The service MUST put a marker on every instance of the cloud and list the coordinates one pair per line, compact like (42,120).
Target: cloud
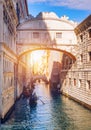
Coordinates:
(36,1)
(75,4)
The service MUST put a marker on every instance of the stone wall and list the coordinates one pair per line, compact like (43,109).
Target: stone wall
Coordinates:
(77,80)
(12,72)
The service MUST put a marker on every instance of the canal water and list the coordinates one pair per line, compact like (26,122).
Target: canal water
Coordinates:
(52,112)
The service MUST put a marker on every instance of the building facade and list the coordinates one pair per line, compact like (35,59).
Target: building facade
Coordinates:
(21,9)
(20,33)
(76,81)
(9,65)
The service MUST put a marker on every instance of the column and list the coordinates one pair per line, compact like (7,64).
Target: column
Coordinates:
(1,81)
(1,21)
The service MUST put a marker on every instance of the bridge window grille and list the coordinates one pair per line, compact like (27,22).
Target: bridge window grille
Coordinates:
(58,35)
(35,34)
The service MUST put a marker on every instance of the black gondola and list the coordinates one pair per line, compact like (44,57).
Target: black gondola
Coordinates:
(33,100)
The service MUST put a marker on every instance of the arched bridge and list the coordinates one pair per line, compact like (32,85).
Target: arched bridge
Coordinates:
(40,32)
(37,77)
(47,48)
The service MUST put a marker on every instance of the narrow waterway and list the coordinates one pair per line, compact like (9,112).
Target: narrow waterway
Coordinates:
(51,113)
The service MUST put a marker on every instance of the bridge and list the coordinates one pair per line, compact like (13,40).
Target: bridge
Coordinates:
(38,77)
(50,33)
(41,32)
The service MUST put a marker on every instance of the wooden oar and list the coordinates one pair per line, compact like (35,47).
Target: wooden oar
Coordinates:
(41,100)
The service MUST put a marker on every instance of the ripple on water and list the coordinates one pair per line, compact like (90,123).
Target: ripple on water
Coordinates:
(57,113)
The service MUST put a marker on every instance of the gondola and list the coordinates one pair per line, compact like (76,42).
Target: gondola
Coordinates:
(33,100)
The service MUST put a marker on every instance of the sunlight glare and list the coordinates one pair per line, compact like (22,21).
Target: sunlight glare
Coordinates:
(36,55)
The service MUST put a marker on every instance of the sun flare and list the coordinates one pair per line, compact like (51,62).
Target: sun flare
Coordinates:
(36,55)
(38,61)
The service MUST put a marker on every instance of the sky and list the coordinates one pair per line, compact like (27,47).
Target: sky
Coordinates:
(76,10)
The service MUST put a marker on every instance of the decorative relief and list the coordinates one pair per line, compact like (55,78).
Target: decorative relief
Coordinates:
(8,21)
(19,48)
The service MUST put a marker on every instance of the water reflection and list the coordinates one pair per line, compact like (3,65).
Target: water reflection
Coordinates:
(56,113)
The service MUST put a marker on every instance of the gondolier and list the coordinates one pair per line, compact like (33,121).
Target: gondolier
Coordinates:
(33,97)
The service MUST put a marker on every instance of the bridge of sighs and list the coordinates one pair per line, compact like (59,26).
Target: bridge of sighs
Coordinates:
(54,37)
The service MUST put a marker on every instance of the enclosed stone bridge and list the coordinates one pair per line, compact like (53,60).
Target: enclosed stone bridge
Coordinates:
(46,48)
(46,31)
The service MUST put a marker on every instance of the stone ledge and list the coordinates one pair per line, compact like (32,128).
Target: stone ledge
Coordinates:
(77,100)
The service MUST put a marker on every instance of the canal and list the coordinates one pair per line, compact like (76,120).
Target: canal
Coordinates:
(53,112)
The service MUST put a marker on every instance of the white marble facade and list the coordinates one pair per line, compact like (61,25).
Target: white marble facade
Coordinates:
(8,57)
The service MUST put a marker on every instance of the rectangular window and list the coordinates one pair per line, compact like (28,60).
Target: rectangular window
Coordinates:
(81,38)
(81,58)
(35,34)
(69,81)
(89,33)
(89,56)
(79,83)
(88,87)
(74,82)
(58,35)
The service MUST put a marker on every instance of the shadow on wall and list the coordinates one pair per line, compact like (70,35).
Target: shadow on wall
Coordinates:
(65,73)
(55,77)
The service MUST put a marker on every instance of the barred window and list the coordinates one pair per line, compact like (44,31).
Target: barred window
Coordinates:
(35,34)
(59,35)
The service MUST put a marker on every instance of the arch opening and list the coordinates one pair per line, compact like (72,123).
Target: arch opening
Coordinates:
(46,48)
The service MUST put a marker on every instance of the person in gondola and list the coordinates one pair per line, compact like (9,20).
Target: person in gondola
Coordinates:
(31,91)
(33,96)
